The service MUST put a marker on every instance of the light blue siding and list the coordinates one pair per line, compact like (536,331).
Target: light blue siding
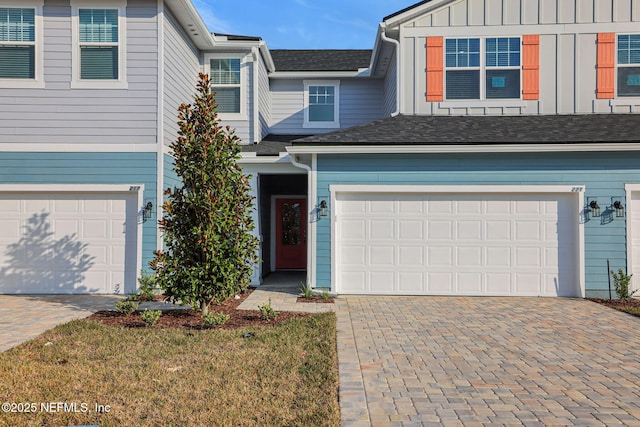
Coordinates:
(88,168)
(604,175)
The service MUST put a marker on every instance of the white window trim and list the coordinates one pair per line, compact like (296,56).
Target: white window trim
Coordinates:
(76,81)
(244,82)
(621,99)
(483,68)
(336,104)
(38,81)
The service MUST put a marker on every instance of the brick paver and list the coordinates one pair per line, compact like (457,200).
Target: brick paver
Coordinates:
(486,361)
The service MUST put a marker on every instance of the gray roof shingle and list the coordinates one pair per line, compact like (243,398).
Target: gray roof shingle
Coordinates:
(425,130)
(271,145)
(321,60)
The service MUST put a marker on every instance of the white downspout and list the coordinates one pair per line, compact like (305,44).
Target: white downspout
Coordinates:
(383,36)
(256,97)
(311,229)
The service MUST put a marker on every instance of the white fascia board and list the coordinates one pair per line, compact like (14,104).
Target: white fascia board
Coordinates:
(266,57)
(493,148)
(375,188)
(482,31)
(319,74)
(186,13)
(253,158)
(417,12)
(74,188)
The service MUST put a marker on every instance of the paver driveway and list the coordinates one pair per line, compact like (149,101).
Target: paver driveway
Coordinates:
(487,361)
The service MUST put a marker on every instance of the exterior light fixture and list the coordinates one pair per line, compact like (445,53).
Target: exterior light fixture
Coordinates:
(594,208)
(323,208)
(148,209)
(618,207)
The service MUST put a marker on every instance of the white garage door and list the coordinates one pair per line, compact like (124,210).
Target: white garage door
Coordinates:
(67,242)
(462,244)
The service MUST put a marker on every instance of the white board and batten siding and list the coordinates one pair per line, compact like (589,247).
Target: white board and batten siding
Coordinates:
(567,52)
(427,241)
(63,240)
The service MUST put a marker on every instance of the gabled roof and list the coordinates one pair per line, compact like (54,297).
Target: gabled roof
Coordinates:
(453,130)
(321,60)
(406,9)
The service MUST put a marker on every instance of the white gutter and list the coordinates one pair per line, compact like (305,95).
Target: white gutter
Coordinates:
(383,36)
(311,232)
(257,137)
(319,74)
(459,148)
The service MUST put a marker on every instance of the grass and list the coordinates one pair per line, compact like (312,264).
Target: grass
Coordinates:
(284,374)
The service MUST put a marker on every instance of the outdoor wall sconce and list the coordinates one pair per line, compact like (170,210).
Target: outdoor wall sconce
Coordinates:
(148,209)
(323,208)
(594,208)
(618,207)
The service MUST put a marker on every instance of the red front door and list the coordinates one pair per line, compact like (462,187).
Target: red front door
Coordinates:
(291,233)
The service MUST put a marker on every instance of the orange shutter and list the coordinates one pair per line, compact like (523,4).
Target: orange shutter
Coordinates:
(606,65)
(531,67)
(435,76)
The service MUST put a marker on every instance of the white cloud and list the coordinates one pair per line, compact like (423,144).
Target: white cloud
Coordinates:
(214,23)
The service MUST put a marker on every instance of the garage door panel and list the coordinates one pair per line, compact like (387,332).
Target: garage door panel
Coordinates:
(381,255)
(440,230)
(66,206)
(10,229)
(470,244)
(410,230)
(95,229)
(96,206)
(382,282)
(353,254)
(353,229)
(354,282)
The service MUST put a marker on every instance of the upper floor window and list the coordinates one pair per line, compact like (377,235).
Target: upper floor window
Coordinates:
(321,108)
(482,71)
(98,39)
(225,82)
(17,43)
(228,79)
(628,65)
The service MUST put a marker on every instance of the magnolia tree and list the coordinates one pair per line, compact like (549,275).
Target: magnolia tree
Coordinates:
(209,249)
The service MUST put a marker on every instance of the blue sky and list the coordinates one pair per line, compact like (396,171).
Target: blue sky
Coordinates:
(301,24)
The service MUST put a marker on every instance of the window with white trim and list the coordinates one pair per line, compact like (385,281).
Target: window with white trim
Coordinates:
(226,83)
(99,49)
(17,43)
(321,104)
(228,79)
(489,70)
(628,64)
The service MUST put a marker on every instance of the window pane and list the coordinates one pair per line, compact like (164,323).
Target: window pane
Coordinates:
(463,84)
(17,25)
(503,52)
(98,25)
(629,49)
(225,71)
(99,62)
(321,113)
(503,84)
(17,62)
(463,53)
(629,81)
(227,99)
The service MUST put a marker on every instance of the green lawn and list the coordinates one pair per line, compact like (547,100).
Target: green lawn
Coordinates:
(284,374)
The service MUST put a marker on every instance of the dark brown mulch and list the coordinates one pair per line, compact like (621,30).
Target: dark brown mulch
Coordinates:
(191,319)
(617,303)
(316,298)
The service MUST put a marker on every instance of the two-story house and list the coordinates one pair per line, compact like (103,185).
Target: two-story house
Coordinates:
(482,147)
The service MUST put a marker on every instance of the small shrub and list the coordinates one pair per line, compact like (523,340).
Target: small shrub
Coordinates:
(148,285)
(150,317)
(267,312)
(126,306)
(305,290)
(325,295)
(621,282)
(215,319)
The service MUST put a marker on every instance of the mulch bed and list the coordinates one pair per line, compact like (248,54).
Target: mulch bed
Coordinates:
(191,319)
(617,303)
